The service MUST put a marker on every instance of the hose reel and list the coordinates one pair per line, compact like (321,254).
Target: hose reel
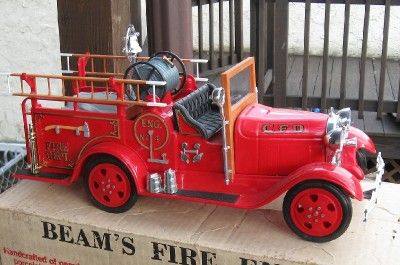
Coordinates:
(160,67)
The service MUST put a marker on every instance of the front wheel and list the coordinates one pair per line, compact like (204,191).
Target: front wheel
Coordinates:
(109,184)
(317,211)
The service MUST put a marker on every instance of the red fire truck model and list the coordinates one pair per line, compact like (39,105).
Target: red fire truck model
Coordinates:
(157,131)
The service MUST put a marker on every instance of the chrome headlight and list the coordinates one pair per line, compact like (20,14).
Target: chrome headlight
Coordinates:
(344,117)
(337,128)
(331,124)
(333,137)
(340,119)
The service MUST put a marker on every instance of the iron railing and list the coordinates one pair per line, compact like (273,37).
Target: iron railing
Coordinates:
(11,159)
(269,20)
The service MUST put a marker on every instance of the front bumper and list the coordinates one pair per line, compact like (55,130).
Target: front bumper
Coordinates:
(371,191)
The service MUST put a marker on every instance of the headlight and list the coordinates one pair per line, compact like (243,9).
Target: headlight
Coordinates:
(333,137)
(337,131)
(331,123)
(344,117)
(344,113)
(340,119)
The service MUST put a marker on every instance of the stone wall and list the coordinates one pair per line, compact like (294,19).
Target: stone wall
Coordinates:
(29,42)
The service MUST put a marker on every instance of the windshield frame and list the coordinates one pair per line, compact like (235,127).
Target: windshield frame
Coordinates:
(232,111)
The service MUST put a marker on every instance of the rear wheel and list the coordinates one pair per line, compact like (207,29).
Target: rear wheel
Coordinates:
(109,184)
(317,211)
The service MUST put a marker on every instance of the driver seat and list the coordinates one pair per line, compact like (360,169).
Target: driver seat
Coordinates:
(197,111)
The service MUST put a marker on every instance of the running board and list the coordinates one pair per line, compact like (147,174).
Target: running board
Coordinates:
(221,197)
(26,173)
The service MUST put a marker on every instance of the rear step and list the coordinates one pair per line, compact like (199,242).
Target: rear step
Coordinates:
(26,173)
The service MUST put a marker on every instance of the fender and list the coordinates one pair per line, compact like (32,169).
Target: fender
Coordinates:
(126,155)
(330,173)
(315,171)
(363,140)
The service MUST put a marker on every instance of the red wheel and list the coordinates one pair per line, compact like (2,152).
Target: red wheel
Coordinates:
(317,211)
(109,184)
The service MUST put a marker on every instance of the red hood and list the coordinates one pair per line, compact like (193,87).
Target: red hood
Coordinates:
(258,119)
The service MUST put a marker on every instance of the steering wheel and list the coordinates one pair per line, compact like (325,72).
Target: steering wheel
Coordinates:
(144,90)
(171,57)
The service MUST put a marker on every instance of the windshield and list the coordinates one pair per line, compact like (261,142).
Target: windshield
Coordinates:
(240,85)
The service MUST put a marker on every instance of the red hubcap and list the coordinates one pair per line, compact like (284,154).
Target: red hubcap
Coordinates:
(316,212)
(109,185)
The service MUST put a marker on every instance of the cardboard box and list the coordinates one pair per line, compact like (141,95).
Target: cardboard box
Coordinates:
(48,224)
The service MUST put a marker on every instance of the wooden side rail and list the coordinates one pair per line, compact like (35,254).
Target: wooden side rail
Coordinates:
(84,84)
(232,111)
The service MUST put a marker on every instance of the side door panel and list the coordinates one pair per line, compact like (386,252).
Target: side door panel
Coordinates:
(61,137)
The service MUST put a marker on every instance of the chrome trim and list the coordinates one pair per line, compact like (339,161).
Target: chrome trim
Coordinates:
(337,157)
(201,79)
(65,54)
(68,56)
(218,99)
(86,130)
(197,63)
(154,183)
(377,177)
(197,156)
(340,120)
(170,185)
(198,60)
(132,47)
(156,83)
(151,158)
(33,151)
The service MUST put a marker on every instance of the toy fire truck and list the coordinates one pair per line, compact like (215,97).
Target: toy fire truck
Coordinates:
(156,130)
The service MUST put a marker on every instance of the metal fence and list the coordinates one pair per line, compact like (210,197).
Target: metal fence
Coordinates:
(11,159)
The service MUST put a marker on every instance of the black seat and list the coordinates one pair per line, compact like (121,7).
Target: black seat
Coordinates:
(197,110)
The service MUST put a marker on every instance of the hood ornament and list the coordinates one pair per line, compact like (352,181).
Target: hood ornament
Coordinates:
(132,47)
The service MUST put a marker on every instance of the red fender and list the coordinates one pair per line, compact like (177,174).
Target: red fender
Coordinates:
(126,155)
(316,171)
(363,140)
(327,172)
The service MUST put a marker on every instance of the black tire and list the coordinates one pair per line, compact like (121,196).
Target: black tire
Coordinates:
(91,164)
(337,192)
(361,156)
